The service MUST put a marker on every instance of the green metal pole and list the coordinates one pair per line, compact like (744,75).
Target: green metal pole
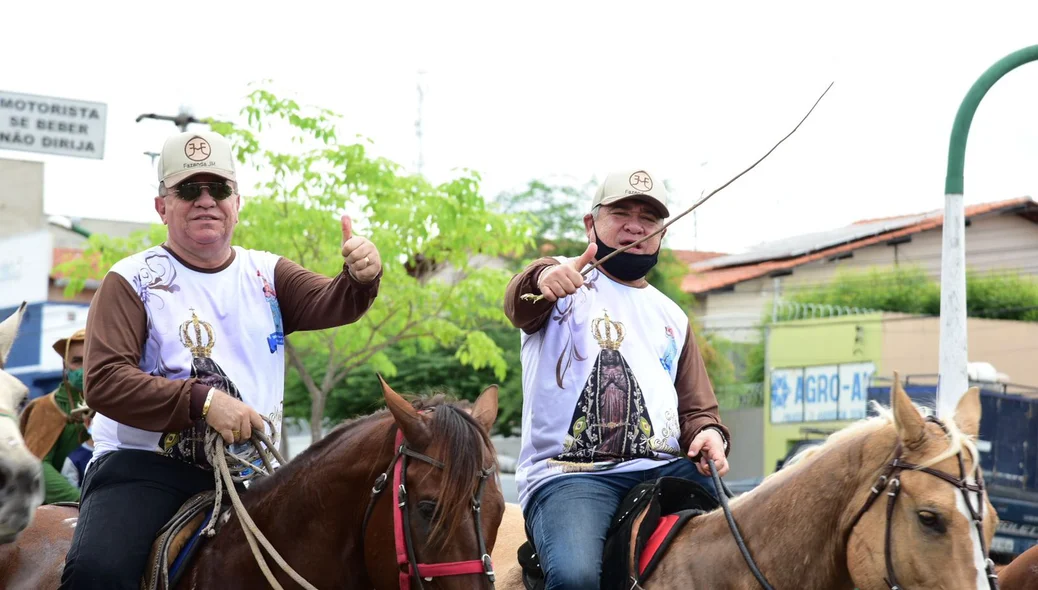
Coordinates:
(953,380)
(961,128)
(81,230)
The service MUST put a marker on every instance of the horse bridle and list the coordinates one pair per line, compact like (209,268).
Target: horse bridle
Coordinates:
(890,478)
(407,564)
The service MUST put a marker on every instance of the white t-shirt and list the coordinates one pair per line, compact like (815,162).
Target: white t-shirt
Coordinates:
(222,327)
(598,384)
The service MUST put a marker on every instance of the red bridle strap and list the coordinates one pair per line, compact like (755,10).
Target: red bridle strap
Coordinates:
(455,568)
(425,570)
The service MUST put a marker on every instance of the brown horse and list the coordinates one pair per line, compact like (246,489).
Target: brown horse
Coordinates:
(1021,573)
(313,508)
(813,526)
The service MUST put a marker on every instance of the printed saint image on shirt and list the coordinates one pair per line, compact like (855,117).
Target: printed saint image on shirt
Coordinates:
(155,280)
(667,360)
(277,338)
(189,444)
(610,422)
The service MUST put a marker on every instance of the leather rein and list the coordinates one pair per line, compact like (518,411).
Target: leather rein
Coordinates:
(407,563)
(889,479)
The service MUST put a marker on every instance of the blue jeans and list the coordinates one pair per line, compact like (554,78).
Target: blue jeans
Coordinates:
(569,516)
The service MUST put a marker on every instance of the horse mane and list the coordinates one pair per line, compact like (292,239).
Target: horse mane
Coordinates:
(462,435)
(464,453)
(957,440)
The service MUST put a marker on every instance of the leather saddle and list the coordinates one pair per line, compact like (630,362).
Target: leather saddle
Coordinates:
(178,542)
(668,503)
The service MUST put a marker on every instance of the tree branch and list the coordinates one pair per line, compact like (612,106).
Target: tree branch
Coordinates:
(297,363)
(329,371)
(361,359)
(376,327)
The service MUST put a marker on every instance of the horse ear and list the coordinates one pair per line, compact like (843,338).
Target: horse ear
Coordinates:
(8,331)
(967,412)
(407,418)
(910,425)
(485,410)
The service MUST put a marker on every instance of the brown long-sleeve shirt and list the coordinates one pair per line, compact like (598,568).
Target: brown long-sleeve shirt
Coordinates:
(697,403)
(117,330)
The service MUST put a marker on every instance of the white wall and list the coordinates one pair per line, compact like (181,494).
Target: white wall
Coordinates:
(25,261)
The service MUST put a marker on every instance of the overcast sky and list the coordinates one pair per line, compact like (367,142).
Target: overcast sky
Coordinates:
(691,91)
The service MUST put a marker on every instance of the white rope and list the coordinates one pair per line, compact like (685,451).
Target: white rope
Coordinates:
(244,469)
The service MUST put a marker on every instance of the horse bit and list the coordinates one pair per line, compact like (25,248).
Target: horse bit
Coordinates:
(406,562)
(891,478)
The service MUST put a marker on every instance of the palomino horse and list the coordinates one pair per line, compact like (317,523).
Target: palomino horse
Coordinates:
(1021,573)
(21,489)
(843,518)
(313,509)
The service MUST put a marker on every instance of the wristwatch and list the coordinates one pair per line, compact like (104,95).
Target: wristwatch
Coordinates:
(723,438)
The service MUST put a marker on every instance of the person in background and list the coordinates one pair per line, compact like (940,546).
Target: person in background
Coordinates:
(76,462)
(51,426)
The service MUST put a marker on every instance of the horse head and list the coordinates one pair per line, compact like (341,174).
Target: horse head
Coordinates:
(445,524)
(931,524)
(21,489)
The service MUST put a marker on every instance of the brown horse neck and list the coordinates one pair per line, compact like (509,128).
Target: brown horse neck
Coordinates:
(794,525)
(311,511)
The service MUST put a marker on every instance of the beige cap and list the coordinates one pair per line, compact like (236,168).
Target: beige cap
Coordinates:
(624,184)
(61,346)
(195,152)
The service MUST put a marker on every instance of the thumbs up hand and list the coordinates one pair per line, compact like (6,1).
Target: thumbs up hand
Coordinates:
(561,280)
(362,258)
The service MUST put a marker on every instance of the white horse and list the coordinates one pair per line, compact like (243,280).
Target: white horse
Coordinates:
(21,475)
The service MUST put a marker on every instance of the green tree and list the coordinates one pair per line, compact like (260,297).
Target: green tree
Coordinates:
(555,212)
(905,289)
(420,230)
(437,370)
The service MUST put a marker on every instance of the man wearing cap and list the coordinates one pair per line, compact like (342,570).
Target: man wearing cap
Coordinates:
(185,336)
(51,426)
(615,391)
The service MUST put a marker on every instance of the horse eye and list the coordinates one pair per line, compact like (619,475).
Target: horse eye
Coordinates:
(931,521)
(427,509)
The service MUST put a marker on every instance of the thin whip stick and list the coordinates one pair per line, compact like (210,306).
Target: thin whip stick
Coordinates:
(533,298)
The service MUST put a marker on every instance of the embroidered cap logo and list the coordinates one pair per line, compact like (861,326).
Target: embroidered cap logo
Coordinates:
(197,149)
(641,181)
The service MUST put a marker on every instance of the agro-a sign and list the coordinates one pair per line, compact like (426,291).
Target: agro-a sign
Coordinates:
(56,126)
(829,392)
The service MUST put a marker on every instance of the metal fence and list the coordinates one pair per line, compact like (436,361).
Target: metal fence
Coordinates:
(740,395)
(791,310)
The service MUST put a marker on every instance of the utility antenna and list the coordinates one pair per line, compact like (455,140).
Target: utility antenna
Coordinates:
(182,119)
(695,215)
(418,121)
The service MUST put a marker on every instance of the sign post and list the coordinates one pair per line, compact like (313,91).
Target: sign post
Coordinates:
(953,380)
(54,126)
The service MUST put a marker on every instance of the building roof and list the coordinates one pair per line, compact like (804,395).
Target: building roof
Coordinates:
(61,255)
(723,271)
(691,257)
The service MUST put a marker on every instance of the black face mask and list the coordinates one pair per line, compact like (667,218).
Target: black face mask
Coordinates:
(625,265)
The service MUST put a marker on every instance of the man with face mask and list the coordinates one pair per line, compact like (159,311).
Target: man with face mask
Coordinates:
(615,391)
(52,428)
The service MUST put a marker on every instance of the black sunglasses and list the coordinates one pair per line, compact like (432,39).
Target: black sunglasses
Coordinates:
(189,191)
